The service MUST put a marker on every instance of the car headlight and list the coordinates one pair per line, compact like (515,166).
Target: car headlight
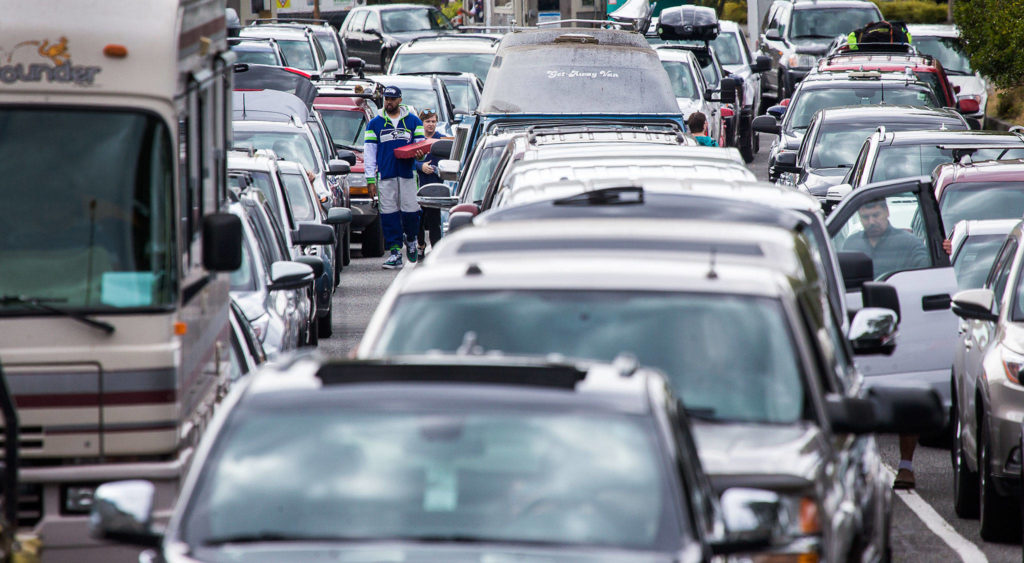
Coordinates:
(1013,363)
(260,326)
(802,61)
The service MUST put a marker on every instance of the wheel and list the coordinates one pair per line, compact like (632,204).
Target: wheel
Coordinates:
(965,481)
(746,143)
(373,240)
(312,338)
(999,515)
(346,247)
(324,324)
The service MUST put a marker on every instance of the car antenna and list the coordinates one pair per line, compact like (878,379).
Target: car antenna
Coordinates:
(712,274)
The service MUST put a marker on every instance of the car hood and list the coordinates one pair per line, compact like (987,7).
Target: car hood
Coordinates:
(811,46)
(819,180)
(734,450)
(421,553)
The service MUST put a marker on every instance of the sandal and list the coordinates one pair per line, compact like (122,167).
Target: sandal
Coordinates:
(904,479)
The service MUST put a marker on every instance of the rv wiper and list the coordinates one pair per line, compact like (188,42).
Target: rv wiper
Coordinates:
(40,303)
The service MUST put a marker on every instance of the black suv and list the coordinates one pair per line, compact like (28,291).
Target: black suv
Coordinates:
(447,460)
(373,33)
(796,34)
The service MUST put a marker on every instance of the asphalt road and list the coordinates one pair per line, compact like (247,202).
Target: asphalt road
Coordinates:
(914,537)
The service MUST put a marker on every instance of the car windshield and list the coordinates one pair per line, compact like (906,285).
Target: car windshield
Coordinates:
(838,144)
(574,78)
(327,44)
(904,161)
(679,73)
(974,259)
(729,357)
(289,146)
(485,166)
(87,219)
(826,23)
(256,57)
(726,46)
(807,101)
(420,19)
(477,63)
(299,198)
(462,94)
(419,99)
(949,51)
(981,200)
(467,474)
(346,127)
(299,54)
(244,278)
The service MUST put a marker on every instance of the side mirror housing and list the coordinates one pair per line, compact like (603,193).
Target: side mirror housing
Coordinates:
(880,295)
(856,268)
(355,63)
(314,262)
(751,520)
(338,216)
(838,192)
(728,90)
(773,35)
(329,66)
(786,162)
(436,196)
(975,304)
(337,167)
(873,331)
(222,242)
(442,148)
(887,410)
(122,511)
(346,155)
(762,63)
(286,274)
(459,220)
(312,233)
(766,124)
(448,169)
(778,111)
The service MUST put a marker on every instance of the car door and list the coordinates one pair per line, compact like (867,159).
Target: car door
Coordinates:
(373,41)
(354,40)
(923,277)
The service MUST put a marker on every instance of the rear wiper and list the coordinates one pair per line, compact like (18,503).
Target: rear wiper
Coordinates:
(40,303)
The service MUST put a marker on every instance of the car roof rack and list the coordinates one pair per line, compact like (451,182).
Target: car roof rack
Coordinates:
(605,24)
(285,19)
(474,36)
(535,132)
(536,373)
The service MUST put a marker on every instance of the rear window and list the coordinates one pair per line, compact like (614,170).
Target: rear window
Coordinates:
(808,101)
(563,78)
(827,23)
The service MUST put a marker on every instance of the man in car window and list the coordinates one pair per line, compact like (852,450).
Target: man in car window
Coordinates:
(697,123)
(889,248)
(395,127)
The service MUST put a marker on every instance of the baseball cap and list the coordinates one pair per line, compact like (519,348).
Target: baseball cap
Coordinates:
(392,92)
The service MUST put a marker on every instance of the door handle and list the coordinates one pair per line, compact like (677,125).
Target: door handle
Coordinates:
(936,302)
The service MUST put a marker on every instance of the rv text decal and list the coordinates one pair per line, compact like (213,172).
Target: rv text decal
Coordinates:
(57,68)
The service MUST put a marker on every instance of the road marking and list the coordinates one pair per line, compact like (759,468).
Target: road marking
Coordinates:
(937,524)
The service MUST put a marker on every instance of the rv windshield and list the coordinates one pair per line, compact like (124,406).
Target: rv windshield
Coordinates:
(87,215)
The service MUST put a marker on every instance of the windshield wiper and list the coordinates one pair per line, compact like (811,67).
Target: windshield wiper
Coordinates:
(338,145)
(701,413)
(40,303)
(270,537)
(813,36)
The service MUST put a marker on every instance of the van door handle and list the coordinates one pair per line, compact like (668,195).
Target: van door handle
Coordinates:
(936,302)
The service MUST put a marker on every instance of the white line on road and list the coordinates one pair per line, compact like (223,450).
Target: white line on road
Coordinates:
(937,524)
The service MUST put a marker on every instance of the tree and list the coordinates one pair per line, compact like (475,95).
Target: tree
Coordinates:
(992,37)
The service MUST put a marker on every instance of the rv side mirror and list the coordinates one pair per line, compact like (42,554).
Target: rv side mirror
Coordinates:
(222,242)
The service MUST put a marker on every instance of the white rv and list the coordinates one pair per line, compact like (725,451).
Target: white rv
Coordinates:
(114,330)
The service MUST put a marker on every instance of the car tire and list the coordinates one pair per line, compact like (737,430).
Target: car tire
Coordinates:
(999,515)
(373,240)
(965,481)
(324,324)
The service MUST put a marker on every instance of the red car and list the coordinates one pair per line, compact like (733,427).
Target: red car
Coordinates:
(346,112)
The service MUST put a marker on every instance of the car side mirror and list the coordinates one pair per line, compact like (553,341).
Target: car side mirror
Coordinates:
(838,192)
(337,167)
(346,155)
(887,410)
(442,148)
(727,91)
(122,511)
(313,233)
(880,295)
(873,331)
(975,304)
(355,63)
(222,242)
(786,162)
(752,519)
(286,274)
(437,196)
(314,262)
(459,220)
(765,124)
(856,268)
(773,35)
(338,216)
(762,63)
(329,66)
(448,169)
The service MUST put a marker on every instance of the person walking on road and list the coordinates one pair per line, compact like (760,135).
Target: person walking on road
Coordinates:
(697,123)
(394,128)
(426,171)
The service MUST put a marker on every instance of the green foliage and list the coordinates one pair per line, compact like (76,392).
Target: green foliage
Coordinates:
(1008,106)
(992,38)
(912,11)
(451,9)
(735,11)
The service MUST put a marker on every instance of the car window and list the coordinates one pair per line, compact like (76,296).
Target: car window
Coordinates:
(318,50)
(810,100)
(974,259)
(298,189)
(1001,272)
(265,184)
(256,57)
(820,23)
(900,161)
(483,172)
(423,19)
(681,76)
(462,94)
(244,278)
(358,20)
(981,200)
(477,63)
(299,54)
(326,41)
(883,230)
(346,127)
(289,146)
(837,144)
(419,99)
(948,50)
(693,338)
(527,476)
(372,22)
(858,167)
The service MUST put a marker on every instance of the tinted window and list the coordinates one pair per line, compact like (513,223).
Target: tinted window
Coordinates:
(981,200)
(974,260)
(398,21)
(828,23)
(695,339)
(387,473)
(298,196)
(838,144)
